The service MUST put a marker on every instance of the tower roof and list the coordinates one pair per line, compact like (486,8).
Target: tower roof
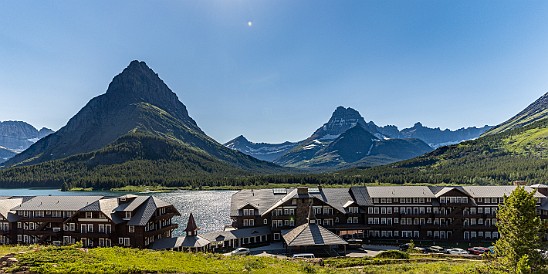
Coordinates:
(191,225)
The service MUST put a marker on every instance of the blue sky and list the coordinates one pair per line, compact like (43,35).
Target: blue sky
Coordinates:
(447,64)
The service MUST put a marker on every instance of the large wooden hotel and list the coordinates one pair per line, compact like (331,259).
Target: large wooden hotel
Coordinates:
(436,213)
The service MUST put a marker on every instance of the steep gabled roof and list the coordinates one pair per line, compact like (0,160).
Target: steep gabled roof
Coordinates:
(145,209)
(107,207)
(7,204)
(361,196)
(444,190)
(133,204)
(261,199)
(143,213)
(311,235)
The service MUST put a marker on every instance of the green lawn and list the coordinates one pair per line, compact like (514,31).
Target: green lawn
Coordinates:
(72,259)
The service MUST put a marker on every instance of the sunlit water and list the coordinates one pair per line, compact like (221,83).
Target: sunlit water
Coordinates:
(211,209)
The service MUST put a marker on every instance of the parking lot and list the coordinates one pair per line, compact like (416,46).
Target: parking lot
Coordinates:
(366,250)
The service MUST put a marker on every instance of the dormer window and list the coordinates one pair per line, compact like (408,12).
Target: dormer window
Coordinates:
(128,215)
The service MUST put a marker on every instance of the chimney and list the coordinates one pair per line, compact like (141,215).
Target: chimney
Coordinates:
(320,188)
(302,190)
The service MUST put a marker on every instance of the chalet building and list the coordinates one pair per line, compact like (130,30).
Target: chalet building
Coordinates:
(456,214)
(129,220)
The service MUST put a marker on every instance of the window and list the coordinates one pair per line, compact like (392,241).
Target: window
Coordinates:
(276,236)
(127,215)
(131,229)
(396,210)
(383,210)
(376,210)
(107,228)
(124,241)
(389,210)
(101,228)
(249,222)
(89,215)
(265,221)
(369,210)
(353,209)
(396,220)
(317,210)
(402,200)
(249,212)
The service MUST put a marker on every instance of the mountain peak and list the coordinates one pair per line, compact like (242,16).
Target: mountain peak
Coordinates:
(418,124)
(348,113)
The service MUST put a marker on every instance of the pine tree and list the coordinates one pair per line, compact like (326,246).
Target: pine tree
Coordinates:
(520,230)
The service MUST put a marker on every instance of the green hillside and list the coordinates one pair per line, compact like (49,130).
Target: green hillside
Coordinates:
(516,154)
(138,158)
(534,112)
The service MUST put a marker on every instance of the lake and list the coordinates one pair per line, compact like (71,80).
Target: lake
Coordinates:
(210,208)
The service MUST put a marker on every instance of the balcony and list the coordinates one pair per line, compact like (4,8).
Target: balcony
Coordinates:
(161,230)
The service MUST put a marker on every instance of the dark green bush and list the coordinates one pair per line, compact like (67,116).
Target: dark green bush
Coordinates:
(393,254)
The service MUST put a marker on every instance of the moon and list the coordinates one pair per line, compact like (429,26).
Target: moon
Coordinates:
(249,23)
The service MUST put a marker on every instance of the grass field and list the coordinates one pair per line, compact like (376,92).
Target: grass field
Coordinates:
(72,259)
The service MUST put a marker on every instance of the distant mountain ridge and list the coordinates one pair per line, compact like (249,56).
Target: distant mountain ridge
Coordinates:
(18,135)
(261,151)
(137,132)
(435,137)
(346,139)
(321,149)
(516,150)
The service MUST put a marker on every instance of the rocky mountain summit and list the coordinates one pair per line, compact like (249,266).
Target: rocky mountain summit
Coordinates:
(347,139)
(18,135)
(138,122)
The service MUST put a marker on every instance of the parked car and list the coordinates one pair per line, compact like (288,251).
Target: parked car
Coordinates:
(240,251)
(404,247)
(421,249)
(436,249)
(478,250)
(456,251)
(303,256)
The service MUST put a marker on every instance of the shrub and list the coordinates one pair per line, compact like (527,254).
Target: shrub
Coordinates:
(393,254)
